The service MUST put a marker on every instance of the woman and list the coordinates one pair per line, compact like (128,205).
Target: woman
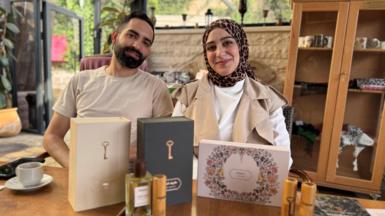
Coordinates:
(229,104)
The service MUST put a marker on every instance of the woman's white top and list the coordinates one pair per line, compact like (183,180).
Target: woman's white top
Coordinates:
(226,100)
(226,104)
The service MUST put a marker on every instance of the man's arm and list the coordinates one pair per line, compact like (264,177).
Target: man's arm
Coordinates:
(54,139)
(162,103)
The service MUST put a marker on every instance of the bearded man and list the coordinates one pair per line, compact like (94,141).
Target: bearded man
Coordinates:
(120,89)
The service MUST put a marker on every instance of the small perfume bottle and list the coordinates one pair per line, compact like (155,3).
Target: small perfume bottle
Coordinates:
(159,195)
(308,193)
(138,191)
(289,195)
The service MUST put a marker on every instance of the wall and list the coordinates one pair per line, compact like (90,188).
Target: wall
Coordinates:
(181,50)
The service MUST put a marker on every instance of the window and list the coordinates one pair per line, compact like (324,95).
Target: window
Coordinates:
(169,12)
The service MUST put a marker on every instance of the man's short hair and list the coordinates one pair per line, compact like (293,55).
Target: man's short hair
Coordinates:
(137,15)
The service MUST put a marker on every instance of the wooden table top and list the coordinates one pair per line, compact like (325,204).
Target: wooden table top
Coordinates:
(53,200)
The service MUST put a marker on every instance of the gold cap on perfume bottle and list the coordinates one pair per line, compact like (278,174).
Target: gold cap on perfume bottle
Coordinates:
(159,195)
(290,188)
(140,168)
(308,192)
(289,197)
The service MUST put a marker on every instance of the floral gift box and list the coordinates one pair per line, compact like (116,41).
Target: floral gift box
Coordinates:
(242,172)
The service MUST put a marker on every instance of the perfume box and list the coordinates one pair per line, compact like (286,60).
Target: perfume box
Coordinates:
(99,158)
(242,172)
(166,145)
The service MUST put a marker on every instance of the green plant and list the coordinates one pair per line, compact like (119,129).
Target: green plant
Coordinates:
(281,9)
(7,30)
(111,15)
(85,9)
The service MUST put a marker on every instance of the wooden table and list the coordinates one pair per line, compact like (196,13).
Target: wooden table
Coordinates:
(53,200)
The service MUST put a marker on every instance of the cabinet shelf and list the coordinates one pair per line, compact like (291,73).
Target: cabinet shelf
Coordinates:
(371,50)
(311,84)
(367,91)
(317,86)
(314,49)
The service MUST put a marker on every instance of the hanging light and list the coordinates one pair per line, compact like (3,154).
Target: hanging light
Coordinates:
(242,9)
(184,18)
(209,16)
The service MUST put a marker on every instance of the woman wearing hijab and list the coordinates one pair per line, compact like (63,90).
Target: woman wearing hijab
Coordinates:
(228,103)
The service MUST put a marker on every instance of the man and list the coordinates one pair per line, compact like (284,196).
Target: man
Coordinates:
(119,89)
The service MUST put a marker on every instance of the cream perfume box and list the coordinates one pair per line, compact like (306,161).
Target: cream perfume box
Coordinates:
(243,172)
(99,159)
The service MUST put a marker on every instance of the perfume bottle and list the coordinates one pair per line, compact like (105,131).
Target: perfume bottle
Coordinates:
(289,195)
(138,191)
(308,193)
(159,195)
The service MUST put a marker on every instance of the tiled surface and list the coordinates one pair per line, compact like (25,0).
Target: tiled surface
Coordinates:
(26,145)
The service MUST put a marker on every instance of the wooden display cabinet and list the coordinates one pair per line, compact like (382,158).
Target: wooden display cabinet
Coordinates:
(337,117)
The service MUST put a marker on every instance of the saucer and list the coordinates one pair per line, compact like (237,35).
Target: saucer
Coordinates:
(14,184)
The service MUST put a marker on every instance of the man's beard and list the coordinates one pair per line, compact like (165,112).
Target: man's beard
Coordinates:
(126,60)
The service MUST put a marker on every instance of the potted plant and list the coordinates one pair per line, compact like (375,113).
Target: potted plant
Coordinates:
(9,120)
(111,16)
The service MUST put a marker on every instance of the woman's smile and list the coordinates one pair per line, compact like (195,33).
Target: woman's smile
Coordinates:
(223,62)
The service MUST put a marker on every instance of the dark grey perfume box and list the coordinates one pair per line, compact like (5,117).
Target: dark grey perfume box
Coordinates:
(166,144)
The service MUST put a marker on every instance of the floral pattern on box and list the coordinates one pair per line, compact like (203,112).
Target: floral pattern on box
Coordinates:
(267,184)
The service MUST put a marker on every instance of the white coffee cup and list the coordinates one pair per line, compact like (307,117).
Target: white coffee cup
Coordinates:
(373,43)
(383,45)
(329,43)
(309,39)
(301,41)
(360,42)
(29,174)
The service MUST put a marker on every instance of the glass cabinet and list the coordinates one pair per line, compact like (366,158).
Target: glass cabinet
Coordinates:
(336,83)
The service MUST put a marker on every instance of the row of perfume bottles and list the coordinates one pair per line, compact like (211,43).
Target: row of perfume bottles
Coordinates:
(145,194)
(304,206)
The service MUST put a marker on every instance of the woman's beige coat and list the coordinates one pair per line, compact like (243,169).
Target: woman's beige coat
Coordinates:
(252,123)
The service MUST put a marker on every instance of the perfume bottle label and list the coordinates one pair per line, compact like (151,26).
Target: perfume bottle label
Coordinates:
(142,196)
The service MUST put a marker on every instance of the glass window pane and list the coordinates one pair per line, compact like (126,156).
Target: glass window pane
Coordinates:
(25,70)
(365,99)
(169,12)
(64,51)
(310,90)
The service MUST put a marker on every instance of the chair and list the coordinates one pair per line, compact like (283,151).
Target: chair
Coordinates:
(288,112)
(93,62)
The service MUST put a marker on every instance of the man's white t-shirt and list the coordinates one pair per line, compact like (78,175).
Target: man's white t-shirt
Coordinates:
(94,93)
